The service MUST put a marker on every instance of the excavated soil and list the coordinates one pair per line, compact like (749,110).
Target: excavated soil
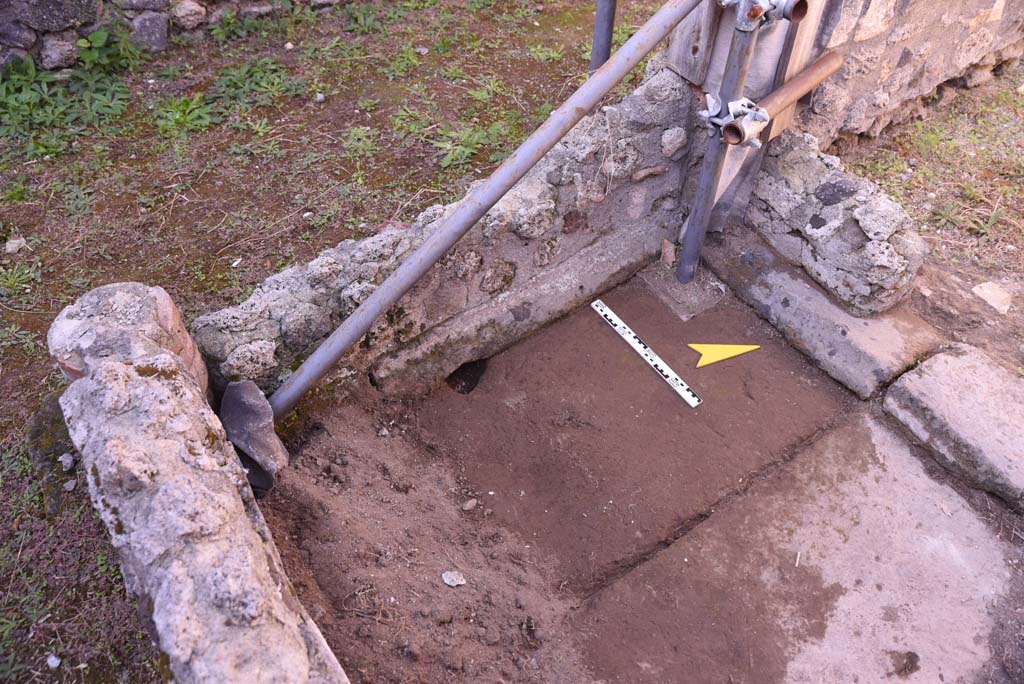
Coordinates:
(542,476)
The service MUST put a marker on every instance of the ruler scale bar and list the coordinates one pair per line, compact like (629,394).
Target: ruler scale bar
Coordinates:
(647,354)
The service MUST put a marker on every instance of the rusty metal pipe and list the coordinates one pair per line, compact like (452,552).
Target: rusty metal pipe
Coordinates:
(776,102)
(804,82)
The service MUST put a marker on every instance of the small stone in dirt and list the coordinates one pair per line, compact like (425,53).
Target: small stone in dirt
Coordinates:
(453,578)
(995,295)
(383,432)
(442,616)
(15,245)
(336,472)
(488,512)
(319,97)
(52,661)
(69,486)
(454,662)
(67,462)
(469,505)
(411,650)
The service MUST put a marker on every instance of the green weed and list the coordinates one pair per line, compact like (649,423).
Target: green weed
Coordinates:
(231,27)
(926,140)
(458,145)
(361,141)
(102,52)
(16,191)
(19,279)
(401,64)
(453,72)
(367,104)
(45,115)
(489,87)
(362,19)
(254,84)
(14,336)
(946,216)
(177,116)
(983,227)
(543,53)
(75,199)
(409,123)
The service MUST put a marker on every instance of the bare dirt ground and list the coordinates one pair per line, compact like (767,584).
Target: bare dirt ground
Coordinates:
(374,510)
(607,532)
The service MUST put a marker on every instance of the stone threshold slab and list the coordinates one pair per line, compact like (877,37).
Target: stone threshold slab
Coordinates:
(969,412)
(864,354)
(848,564)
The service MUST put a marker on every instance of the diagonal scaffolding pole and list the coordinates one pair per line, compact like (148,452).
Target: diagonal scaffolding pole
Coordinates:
(478,202)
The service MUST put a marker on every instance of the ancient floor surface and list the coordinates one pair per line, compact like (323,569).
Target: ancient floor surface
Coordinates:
(784,531)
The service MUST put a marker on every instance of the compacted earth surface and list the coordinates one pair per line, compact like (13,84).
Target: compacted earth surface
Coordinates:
(782,531)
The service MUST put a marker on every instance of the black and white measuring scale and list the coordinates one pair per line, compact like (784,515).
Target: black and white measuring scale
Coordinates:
(647,354)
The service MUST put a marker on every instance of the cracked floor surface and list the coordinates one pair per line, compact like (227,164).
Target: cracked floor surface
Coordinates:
(782,532)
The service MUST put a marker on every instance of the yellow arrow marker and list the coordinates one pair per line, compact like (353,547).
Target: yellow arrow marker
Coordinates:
(713,353)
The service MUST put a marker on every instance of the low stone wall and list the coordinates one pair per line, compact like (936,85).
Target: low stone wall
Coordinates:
(850,236)
(48,29)
(899,51)
(593,212)
(588,216)
(193,546)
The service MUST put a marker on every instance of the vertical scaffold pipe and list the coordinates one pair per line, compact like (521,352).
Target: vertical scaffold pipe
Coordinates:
(604,27)
(741,50)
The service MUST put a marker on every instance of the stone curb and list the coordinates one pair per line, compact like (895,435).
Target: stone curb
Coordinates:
(969,412)
(193,546)
(863,354)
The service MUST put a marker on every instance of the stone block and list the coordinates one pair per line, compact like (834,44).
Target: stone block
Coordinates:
(59,50)
(15,34)
(862,353)
(91,330)
(851,237)
(188,14)
(969,412)
(577,223)
(142,5)
(149,30)
(57,15)
(193,546)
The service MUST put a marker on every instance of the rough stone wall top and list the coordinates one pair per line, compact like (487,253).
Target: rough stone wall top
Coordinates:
(898,51)
(193,546)
(93,330)
(847,233)
(618,172)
